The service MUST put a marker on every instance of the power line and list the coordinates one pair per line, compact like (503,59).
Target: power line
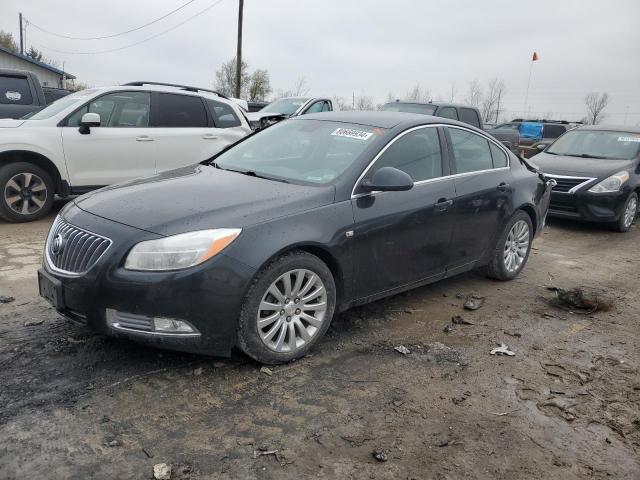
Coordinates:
(115,34)
(136,43)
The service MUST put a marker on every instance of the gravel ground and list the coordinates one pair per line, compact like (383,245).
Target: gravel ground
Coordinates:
(567,404)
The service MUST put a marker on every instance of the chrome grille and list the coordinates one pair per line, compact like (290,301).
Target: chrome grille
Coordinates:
(73,250)
(568,184)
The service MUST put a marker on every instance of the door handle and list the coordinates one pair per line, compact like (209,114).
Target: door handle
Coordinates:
(443,205)
(209,136)
(144,138)
(504,187)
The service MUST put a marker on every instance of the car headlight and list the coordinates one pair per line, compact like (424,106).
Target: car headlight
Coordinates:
(180,251)
(611,184)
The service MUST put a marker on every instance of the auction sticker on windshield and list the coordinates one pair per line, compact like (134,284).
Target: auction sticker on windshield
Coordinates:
(351,133)
(629,139)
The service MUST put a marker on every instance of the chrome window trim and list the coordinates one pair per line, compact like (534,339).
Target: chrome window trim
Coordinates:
(49,262)
(587,180)
(430,180)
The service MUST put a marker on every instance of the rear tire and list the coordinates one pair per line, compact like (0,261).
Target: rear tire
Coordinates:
(26,192)
(628,215)
(512,249)
(288,308)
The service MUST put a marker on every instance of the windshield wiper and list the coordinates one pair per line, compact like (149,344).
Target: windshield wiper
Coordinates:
(582,155)
(251,173)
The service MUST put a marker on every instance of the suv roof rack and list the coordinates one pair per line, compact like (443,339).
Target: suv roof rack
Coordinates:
(182,87)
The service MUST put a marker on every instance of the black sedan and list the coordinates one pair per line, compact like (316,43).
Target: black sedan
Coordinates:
(261,245)
(597,173)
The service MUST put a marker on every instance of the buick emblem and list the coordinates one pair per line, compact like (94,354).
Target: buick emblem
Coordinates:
(57,245)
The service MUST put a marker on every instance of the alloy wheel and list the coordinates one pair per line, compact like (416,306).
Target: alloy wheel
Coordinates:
(630,211)
(516,246)
(25,193)
(292,310)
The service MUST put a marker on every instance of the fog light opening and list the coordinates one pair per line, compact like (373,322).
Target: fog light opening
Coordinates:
(170,325)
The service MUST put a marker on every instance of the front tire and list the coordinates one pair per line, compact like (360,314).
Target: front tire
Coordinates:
(628,215)
(288,308)
(26,192)
(512,248)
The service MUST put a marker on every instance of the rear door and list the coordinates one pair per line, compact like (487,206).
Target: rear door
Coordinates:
(483,193)
(181,129)
(119,149)
(403,237)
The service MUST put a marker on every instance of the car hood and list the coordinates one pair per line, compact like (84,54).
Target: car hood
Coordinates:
(201,197)
(10,123)
(256,116)
(578,166)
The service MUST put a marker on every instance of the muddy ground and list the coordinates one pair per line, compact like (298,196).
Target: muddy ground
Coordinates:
(567,405)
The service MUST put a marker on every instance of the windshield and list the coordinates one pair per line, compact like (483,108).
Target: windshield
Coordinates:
(309,151)
(61,104)
(286,106)
(409,108)
(598,144)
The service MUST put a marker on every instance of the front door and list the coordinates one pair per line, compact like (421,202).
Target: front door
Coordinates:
(121,148)
(403,237)
(483,194)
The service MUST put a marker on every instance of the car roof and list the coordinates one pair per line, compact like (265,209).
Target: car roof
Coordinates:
(435,104)
(380,119)
(164,89)
(614,128)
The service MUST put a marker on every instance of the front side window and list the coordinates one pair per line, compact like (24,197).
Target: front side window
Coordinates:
(327,106)
(305,151)
(417,154)
(15,91)
(470,116)
(470,150)
(178,111)
(223,114)
(118,109)
(448,112)
(605,144)
(315,108)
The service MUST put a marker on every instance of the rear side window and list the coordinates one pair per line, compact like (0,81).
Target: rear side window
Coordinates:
(15,91)
(499,157)
(448,112)
(417,153)
(172,110)
(470,116)
(553,131)
(471,151)
(223,114)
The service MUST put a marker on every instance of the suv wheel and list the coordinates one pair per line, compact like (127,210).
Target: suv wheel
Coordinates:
(512,249)
(288,308)
(26,192)
(628,214)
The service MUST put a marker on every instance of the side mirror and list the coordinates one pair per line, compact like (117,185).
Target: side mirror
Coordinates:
(87,121)
(388,179)
(541,147)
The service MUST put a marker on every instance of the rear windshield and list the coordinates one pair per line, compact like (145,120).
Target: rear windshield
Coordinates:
(554,131)
(15,91)
(305,151)
(597,143)
(409,108)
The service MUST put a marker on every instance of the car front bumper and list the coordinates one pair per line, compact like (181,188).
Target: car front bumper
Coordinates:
(208,296)
(590,207)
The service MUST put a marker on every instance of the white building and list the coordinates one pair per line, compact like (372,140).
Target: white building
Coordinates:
(49,76)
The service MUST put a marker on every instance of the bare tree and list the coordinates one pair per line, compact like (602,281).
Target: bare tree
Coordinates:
(259,86)
(225,81)
(342,103)
(596,103)
(7,41)
(474,94)
(418,94)
(300,89)
(364,102)
(490,103)
(77,86)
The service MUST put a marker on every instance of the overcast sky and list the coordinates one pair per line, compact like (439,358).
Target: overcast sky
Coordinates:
(370,47)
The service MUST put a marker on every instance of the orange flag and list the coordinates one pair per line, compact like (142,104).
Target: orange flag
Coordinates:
(535,57)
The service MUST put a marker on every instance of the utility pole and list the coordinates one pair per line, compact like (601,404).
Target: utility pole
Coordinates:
(21,40)
(498,106)
(239,50)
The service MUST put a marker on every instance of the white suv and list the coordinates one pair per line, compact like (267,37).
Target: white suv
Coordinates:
(107,135)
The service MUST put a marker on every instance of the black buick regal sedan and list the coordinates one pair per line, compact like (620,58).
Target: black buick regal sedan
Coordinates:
(259,246)
(597,170)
